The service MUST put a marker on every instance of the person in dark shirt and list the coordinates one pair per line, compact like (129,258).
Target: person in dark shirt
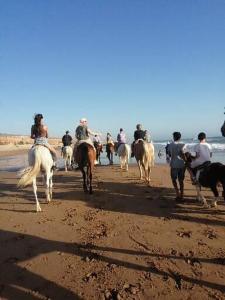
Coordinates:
(138,134)
(66,140)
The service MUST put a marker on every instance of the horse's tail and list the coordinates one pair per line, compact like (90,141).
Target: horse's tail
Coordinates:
(67,152)
(84,156)
(31,172)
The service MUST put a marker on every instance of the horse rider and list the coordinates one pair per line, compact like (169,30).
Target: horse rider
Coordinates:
(121,138)
(66,140)
(82,134)
(97,142)
(139,133)
(109,139)
(202,158)
(96,139)
(39,132)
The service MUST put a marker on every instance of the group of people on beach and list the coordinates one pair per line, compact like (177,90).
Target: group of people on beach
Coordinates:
(175,156)
(175,150)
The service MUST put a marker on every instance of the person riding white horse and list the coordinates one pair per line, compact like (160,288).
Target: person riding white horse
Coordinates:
(121,138)
(39,132)
(66,140)
(82,135)
(123,149)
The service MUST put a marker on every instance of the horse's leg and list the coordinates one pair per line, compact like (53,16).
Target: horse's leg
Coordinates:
(43,178)
(148,174)
(50,185)
(47,188)
(70,161)
(90,179)
(84,180)
(140,169)
(200,197)
(65,164)
(38,208)
(216,195)
(126,161)
(99,158)
(111,158)
(108,156)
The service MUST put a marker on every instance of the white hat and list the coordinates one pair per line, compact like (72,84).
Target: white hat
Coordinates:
(83,120)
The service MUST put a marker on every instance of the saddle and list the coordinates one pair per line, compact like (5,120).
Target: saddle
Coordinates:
(87,142)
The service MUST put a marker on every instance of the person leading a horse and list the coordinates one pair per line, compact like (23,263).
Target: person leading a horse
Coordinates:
(139,133)
(39,132)
(66,140)
(82,134)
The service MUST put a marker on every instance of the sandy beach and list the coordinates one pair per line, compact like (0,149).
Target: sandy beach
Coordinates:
(126,241)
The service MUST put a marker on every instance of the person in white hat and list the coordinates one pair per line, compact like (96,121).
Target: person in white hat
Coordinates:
(83,133)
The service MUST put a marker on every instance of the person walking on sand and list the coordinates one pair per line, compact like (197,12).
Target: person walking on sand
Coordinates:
(39,132)
(177,165)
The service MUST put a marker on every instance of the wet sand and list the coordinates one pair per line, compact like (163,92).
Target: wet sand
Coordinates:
(126,241)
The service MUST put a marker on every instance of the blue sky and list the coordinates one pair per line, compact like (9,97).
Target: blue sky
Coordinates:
(117,63)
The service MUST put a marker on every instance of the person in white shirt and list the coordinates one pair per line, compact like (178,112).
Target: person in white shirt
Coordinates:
(203,154)
(96,139)
(203,151)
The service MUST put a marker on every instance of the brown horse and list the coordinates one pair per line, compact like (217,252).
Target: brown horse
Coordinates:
(99,150)
(109,150)
(144,154)
(85,157)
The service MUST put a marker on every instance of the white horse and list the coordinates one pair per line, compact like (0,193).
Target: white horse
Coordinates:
(67,156)
(40,159)
(145,157)
(124,152)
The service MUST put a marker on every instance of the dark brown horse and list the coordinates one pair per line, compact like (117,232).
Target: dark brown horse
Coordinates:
(109,150)
(208,175)
(99,150)
(85,157)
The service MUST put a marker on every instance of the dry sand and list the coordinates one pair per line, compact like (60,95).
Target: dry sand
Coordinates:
(126,241)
